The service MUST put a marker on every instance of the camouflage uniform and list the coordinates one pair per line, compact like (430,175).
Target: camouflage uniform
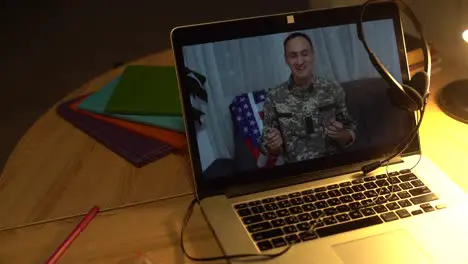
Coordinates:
(301,116)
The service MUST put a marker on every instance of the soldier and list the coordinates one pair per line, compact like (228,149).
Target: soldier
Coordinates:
(306,116)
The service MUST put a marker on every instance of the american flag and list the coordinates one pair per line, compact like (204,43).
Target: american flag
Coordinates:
(247,113)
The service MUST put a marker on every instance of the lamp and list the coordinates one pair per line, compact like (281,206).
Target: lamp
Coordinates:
(453,98)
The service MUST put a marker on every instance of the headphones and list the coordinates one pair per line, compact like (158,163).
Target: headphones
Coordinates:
(413,94)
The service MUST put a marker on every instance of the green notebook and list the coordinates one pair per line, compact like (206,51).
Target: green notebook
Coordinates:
(146,90)
(97,102)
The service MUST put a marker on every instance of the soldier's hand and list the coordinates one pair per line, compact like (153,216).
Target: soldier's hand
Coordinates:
(274,141)
(336,131)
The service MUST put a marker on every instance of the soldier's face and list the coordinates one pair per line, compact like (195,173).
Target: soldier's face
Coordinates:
(300,58)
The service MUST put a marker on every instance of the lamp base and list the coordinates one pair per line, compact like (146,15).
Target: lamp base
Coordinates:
(453,100)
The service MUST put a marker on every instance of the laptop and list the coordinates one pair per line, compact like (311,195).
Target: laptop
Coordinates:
(281,113)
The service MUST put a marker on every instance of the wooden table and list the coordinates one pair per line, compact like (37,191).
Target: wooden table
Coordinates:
(153,228)
(56,170)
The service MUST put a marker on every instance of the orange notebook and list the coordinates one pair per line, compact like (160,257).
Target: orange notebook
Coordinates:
(177,140)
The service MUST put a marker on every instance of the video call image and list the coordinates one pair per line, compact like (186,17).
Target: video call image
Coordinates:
(277,99)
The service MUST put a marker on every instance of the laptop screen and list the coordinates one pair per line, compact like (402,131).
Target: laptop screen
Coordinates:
(292,97)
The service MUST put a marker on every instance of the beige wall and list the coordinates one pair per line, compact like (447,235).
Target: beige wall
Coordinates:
(443,22)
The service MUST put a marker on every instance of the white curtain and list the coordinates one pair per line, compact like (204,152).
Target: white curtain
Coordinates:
(234,67)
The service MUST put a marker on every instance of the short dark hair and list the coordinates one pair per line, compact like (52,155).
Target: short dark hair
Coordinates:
(297,35)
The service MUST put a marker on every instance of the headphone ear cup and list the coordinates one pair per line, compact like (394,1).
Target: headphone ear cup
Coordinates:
(420,82)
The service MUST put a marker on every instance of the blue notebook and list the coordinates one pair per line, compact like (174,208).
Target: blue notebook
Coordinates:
(97,102)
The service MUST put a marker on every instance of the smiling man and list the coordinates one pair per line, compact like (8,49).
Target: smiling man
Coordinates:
(305,117)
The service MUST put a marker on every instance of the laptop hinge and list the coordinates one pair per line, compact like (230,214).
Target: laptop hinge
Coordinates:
(240,190)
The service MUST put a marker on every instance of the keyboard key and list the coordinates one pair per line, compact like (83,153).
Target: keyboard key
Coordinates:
(309,198)
(252,219)
(294,194)
(408,177)
(257,209)
(357,181)
(381,176)
(320,189)
(358,188)
(259,227)
(271,207)
(393,173)
(383,190)
(404,171)
(346,199)
(369,179)
(321,196)
(278,242)
(283,213)
(330,211)
(316,223)
(264,245)
(284,204)
(303,226)
(380,200)
(244,212)
(349,226)
(253,203)
(420,191)
(392,206)
(346,190)
(291,220)
(424,198)
(370,194)
(329,220)
(308,192)
(306,236)
(393,180)
(345,184)
(405,203)
(370,185)
(382,182)
(390,216)
(342,217)
(267,234)
(332,186)
(427,208)
(367,202)
(358,196)
(292,239)
(278,222)
(321,204)
(304,217)
(403,213)
(404,194)
(240,206)
(308,207)
(269,216)
(266,200)
(441,206)
(406,185)
(295,210)
(380,209)
(334,201)
(417,183)
(289,229)
(281,197)
(395,188)
(417,212)
(334,193)
(296,201)
(367,211)
(343,208)
(316,214)
(355,214)
(354,205)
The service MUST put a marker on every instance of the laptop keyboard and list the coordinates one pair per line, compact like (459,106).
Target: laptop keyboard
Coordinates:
(336,208)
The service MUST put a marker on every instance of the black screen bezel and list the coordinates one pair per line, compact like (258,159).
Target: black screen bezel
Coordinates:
(257,26)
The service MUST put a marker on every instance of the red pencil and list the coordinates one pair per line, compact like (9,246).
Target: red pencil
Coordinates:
(73,235)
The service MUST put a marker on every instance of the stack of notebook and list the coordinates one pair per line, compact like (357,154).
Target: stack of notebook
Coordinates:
(137,115)
(415,56)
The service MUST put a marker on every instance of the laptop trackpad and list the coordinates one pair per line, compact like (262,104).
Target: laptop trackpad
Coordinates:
(392,247)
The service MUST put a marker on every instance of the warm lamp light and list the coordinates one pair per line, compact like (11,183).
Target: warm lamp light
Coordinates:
(453,98)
